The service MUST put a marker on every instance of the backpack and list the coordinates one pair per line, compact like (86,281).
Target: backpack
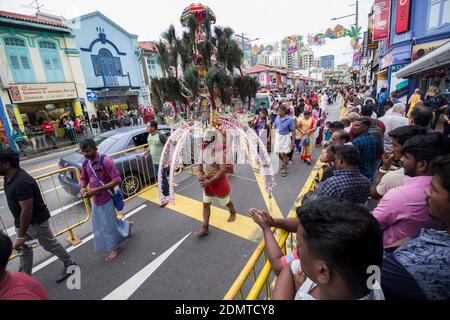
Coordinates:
(376,131)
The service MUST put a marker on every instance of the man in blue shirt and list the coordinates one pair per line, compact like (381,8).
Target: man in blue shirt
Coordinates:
(382,97)
(284,138)
(366,144)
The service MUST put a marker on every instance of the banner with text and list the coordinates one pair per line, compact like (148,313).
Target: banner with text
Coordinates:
(42,92)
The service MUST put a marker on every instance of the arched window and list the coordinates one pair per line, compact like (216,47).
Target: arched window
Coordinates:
(107,66)
(51,62)
(19,60)
(104,53)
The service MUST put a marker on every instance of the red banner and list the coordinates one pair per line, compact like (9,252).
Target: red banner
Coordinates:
(381,20)
(403,12)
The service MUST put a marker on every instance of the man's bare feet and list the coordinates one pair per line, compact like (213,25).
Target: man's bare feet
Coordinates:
(164,204)
(113,255)
(203,233)
(232,217)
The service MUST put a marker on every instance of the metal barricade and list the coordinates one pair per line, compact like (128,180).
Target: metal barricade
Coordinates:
(60,191)
(67,211)
(259,261)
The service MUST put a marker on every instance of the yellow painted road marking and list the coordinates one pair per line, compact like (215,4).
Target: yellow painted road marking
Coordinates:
(243,227)
(43,168)
(271,204)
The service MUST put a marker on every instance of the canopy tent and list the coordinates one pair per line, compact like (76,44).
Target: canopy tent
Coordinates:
(438,59)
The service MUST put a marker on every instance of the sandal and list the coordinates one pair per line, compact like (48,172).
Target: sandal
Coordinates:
(283,173)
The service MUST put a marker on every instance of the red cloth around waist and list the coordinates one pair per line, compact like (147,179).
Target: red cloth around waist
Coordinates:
(221,188)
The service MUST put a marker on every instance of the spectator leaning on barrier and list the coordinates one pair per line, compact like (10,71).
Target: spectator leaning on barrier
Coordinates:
(274,254)
(337,243)
(329,160)
(420,269)
(403,211)
(16,285)
(31,215)
(347,183)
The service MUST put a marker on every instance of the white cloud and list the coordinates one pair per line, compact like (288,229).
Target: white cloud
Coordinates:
(269,20)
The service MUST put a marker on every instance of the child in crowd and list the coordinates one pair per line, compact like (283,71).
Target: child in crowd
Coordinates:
(327,133)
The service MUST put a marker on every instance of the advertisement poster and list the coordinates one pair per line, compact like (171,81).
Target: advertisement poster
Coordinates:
(381,20)
(423,49)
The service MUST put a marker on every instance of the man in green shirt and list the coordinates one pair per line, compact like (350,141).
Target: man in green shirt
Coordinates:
(156,142)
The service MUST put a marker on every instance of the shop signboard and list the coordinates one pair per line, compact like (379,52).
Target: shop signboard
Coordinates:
(422,50)
(42,92)
(386,61)
(403,16)
(366,45)
(381,20)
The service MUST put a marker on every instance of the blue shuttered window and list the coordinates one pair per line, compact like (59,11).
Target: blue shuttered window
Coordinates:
(19,60)
(51,62)
(107,66)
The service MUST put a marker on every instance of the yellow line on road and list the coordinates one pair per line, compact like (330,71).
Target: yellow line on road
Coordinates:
(243,227)
(271,203)
(43,168)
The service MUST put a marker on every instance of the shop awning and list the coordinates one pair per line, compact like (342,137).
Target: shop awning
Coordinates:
(438,59)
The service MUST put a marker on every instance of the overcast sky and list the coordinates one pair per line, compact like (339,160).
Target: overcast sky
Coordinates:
(269,20)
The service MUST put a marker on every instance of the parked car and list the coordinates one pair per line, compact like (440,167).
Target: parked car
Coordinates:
(134,174)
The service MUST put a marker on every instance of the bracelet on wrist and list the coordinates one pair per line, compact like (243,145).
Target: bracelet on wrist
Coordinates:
(383,171)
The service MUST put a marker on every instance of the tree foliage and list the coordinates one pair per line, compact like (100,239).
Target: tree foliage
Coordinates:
(220,54)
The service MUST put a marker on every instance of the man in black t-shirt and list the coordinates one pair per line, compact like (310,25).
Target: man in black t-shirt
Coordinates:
(30,214)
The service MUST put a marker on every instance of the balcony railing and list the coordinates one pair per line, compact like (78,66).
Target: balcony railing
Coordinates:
(113,81)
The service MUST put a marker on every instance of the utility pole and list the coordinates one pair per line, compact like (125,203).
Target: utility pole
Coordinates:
(356,14)
(244,40)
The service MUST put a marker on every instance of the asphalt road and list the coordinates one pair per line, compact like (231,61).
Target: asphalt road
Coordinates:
(164,260)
